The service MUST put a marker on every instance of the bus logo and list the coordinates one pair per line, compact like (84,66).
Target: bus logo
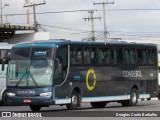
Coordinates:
(90,87)
(132,73)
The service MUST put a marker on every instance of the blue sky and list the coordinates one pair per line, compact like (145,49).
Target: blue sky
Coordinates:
(120,24)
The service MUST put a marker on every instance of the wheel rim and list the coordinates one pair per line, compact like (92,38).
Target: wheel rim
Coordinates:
(133,97)
(74,100)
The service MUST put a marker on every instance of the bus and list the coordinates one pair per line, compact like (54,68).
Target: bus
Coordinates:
(5,50)
(64,72)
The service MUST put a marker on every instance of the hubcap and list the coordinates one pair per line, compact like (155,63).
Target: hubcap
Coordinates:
(133,97)
(74,100)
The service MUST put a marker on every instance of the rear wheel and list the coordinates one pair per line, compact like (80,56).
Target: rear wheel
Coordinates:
(74,101)
(98,104)
(1,103)
(35,108)
(158,97)
(148,98)
(133,98)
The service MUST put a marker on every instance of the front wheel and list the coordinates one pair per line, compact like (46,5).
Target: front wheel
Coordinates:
(35,108)
(4,102)
(133,98)
(74,101)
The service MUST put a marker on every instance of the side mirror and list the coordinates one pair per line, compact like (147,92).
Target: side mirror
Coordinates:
(5,60)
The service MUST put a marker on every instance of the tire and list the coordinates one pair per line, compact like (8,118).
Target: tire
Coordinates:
(1,103)
(74,101)
(4,102)
(158,96)
(133,98)
(148,98)
(35,108)
(98,104)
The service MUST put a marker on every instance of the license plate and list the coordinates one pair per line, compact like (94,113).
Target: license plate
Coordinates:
(27,101)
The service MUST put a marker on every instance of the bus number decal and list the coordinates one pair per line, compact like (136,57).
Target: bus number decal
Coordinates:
(90,71)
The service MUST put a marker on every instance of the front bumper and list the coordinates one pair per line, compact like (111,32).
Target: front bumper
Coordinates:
(38,100)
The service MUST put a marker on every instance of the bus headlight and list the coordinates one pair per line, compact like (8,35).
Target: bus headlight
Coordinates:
(11,94)
(45,94)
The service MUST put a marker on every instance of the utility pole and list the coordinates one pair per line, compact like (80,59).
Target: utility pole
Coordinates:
(104,16)
(2,9)
(27,2)
(34,13)
(91,12)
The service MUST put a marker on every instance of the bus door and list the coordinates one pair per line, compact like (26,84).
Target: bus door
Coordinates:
(61,67)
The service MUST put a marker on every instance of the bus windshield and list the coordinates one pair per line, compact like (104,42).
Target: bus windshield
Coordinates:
(30,67)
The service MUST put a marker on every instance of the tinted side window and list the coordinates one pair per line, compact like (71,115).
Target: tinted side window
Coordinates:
(93,56)
(87,56)
(117,56)
(130,56)
(151,56)
(141,56)
(76,55)
(103,56)
(62,54)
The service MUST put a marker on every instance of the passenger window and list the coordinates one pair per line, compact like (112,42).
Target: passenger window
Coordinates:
(93,56)
(106,56)
(87,56)
(103,56)
(151,56)
(130,56)
(141,56)
(76,55)
(117,56)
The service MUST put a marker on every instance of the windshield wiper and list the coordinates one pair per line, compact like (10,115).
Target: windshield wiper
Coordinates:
(20,79)
(28,74)
(33,79)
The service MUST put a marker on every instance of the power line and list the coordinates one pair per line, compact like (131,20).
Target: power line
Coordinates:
(72,11)
(133,9)
(50,12)
(63,28)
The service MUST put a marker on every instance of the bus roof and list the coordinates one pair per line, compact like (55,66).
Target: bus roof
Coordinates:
(58,42)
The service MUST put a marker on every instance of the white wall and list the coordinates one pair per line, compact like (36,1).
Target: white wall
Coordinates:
(18,38)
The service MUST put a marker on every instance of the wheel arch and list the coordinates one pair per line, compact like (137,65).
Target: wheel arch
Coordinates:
(2,100)
(2,93)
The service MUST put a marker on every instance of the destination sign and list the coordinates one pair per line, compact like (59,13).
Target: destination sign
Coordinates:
(40,53)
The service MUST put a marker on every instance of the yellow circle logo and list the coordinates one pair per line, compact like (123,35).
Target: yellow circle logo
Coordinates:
(90,71)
